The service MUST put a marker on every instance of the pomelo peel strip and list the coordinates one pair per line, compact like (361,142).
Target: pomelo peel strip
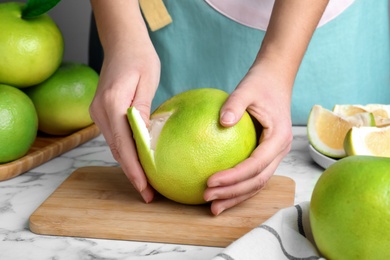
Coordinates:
(142,140)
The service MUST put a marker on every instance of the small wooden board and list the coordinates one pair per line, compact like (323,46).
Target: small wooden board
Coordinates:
(99,202)
(45,148)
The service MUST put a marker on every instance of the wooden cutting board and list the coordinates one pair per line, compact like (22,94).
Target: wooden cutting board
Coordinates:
(45,148)
(99,202)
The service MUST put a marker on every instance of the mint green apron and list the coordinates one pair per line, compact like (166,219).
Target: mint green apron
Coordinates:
(347,61)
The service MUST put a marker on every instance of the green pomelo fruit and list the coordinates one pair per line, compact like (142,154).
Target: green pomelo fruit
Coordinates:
(30,49)
(187,144)
(18,123)
(350,209)
(62,101)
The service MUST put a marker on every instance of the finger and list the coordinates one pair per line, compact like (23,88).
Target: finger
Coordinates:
(131,169)
(230,196)
(253,184)
(219,206)
(116,131)
(124,150)
(262,156)
(233,108)
(144,95)
(127,156)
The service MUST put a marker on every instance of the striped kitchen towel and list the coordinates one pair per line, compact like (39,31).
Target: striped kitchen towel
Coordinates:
(286,235)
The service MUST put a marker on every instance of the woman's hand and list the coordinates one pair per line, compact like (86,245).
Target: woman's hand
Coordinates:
(129,77)
(265,92)
(267,99)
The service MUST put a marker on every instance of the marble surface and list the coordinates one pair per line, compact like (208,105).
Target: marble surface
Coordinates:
(20,196)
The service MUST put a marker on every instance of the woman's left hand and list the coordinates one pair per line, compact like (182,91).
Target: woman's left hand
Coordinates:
(265,92)
(267,99)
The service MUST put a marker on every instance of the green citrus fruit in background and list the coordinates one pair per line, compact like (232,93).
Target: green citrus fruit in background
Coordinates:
(18,123)
(349,209)
(62,101)
(187,144)
(30,49)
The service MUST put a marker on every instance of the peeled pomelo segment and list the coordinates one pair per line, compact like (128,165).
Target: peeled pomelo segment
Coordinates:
(361,119)
(142,140)
(382,122)
(371,141)
(381,112)
(327,130)
(347,110)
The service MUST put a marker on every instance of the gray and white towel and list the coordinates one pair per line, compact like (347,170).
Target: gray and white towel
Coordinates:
(286,235)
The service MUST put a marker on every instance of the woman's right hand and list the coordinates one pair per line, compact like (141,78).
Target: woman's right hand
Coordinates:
(129,77)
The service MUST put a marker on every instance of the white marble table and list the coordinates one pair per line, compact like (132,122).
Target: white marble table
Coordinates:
(20,196)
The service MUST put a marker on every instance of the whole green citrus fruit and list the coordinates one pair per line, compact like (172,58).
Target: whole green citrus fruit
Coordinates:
(350,209)
(18,123)
(62,101)
(30,49)
(187,144)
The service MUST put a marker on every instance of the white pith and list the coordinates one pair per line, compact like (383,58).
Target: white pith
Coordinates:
(156,125)
(360,133)
(150,135)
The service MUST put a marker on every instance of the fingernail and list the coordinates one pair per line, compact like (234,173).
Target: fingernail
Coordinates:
(146,196)
(219,211)
(228,117)
(213,184)
(211,198)
(137,186)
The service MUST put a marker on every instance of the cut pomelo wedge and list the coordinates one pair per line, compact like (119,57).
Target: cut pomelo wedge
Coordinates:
(373,141)
(378,110)
(326,130)
(381,112)
(348,110)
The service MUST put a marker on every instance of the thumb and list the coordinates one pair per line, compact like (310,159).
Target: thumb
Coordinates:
(144,109)
(143,98)
(232,110)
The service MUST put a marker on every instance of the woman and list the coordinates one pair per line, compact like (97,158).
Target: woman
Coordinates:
(212,44)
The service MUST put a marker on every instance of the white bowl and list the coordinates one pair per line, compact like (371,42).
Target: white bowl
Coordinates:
(320,159)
